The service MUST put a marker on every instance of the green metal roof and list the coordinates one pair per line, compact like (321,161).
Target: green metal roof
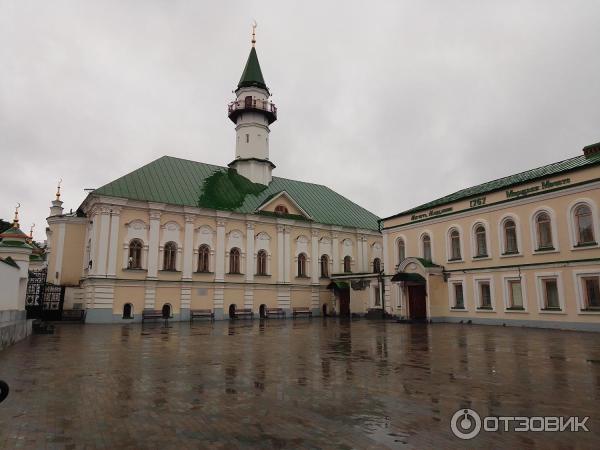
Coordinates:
(578,162)
(188,183)
(252,75)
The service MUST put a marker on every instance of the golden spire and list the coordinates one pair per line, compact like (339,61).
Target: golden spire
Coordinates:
(31,230)
(254,25)
(16,219)
(58,189)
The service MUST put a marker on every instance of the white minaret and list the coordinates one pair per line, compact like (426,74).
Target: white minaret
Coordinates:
(56,209)
(252,113)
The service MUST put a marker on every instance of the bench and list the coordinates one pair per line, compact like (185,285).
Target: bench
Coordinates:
(201,313)
(245,313)
(274,312)
(73,315)
(301,311)
(148,314)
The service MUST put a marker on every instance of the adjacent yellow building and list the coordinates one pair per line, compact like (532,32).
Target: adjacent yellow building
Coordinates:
(522,250)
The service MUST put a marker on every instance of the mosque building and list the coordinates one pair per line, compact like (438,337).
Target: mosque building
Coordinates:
(178,235)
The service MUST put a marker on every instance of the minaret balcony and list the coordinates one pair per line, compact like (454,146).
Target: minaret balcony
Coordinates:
(266,107)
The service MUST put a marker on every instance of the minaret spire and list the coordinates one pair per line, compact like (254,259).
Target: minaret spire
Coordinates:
(252,113)
(56,209)
(16,219)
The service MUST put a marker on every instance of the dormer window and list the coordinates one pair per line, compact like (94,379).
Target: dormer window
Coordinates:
(281,209)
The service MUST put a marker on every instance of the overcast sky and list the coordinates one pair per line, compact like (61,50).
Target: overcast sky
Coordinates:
(389,103)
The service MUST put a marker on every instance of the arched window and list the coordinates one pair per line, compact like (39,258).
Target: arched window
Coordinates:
(455,245)
(347,264)
(544,231)
(480,241)
(401,250)
(170,256)
(301,265)
(426,241)
(234,260)
(127,311)
(584,225)
(135,254)
(324,266)
(204,258)
(376,265)
(281,209)
(261,262)
(510,237)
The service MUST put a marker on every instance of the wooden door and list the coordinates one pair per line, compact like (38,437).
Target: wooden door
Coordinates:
(345,302)
(417,307)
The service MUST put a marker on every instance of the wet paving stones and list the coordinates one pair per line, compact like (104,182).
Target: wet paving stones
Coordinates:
(318,383)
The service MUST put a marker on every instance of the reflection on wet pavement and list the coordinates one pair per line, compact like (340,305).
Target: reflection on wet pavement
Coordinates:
(289,384)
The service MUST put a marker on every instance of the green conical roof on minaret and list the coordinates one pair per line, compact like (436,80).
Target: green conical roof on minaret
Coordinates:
(252,75)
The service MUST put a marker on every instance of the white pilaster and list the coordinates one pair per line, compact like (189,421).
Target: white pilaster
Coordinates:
(365,254)
(103,241)
(59,252)
(287,255)
(220,254)
(250,252)
(153,240)
(188,249)
(114,242)
(335,250)
(314,266)
(359,255)
(388,269)
(280,254)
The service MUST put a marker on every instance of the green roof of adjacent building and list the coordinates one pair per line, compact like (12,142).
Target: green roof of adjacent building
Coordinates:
(252,75)
(188,183)
(568,165)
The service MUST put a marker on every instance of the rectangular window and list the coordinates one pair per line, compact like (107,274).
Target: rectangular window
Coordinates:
(485,295)
(551,300)
(591,292)
(515,294)
(459,299)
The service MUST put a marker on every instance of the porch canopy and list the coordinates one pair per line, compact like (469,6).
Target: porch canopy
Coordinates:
(409,277)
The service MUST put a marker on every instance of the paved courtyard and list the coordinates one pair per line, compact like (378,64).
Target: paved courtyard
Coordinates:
(293,384)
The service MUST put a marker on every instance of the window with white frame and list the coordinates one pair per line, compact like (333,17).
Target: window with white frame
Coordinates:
(401,250)
(458,295)
(584,225)
(543,231)
(550,295)
(455,253)
(509,229)
(480,241)
(590,288)
(515,294)
(426,244)
(484,294)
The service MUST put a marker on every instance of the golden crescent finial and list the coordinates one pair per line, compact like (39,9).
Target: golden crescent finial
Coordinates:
(254,25)
(58,189)
(16,219)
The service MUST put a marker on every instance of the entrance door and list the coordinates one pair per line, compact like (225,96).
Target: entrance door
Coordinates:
(344,297)
(417,307)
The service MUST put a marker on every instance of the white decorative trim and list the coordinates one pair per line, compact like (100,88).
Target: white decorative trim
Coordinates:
(452,294)
(539,278)
(450,229)
(291,200)
(488,247)
(578,276)
(514,276)
(573,231)
(502,235)
(477,293)
(533,230)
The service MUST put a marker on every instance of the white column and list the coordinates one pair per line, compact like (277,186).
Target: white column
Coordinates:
(280,254)
(59,252)
(314,266)
(188,248)
(220,252)
(359,255)
(388,269)
(287,255)
(103,242)
(365,253)
(114,242)
(250,252)
(153,244)
(335,253)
